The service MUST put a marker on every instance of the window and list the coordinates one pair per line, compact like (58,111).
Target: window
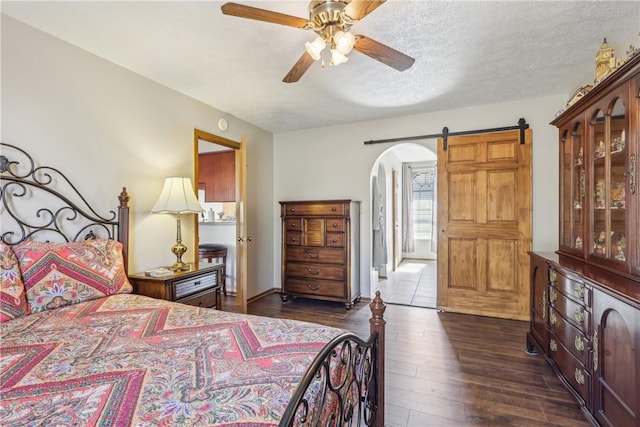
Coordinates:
(423,194)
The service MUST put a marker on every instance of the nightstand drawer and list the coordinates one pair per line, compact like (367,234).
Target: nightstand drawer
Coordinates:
(194,285)
(204,299)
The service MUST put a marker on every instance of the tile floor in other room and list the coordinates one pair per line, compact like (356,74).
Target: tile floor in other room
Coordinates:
(413,283)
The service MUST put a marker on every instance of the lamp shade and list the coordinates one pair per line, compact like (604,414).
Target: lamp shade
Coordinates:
(315,48)
(177,196)
(344,42)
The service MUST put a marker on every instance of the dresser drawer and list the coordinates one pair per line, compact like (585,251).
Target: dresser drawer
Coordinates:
(335,224)
(293,224)
(293,238)
(572,338)
(194,285)
(314,209)
(571,368)
(315,287)
(571,286)
(572,311)
(320,255)
(204,299)
(316,271)
(335,240)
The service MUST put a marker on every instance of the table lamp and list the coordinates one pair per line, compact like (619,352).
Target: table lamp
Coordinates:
(178,197)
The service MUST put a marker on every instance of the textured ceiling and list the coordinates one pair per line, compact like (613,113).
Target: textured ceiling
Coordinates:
(467,53)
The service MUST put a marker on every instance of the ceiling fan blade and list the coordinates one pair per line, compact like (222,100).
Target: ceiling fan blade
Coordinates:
(299,68)
(241,11)
(358,9)
(383,53)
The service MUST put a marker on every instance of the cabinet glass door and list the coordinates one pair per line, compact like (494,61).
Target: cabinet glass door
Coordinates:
(609,153)
(572,189)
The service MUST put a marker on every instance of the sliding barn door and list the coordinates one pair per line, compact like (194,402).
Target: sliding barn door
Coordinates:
(484,218)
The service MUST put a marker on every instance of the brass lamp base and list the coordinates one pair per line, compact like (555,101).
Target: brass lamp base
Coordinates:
(178,250)
(180,266)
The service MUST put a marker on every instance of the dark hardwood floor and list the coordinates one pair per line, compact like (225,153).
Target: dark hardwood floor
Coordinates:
(447,369)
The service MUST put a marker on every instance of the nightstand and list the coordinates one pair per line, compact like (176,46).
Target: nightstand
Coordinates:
(200,286)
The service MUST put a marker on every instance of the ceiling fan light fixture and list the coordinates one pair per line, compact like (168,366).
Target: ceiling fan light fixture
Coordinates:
(344,41)
(315,48)
(338,58)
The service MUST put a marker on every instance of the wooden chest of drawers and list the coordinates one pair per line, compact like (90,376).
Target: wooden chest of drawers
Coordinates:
(570,329)
(589,332)
(320,250)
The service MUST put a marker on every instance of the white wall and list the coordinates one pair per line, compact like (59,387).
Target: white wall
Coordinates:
(106,127)
(333,162)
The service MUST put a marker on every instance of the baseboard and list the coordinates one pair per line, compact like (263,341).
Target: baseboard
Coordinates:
(262,295)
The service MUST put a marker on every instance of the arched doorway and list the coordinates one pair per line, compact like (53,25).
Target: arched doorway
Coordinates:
(405,274)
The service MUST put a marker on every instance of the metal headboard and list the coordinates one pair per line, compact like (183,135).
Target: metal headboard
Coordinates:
(40,203)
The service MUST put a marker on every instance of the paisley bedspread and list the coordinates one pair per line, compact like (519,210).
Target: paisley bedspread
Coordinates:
(131,360)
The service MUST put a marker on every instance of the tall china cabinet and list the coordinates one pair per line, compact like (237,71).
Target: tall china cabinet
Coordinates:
(585,297)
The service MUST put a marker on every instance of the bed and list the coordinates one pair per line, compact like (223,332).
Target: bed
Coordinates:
(77,348)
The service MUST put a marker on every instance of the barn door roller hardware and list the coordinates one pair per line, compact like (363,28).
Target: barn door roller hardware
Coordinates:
(522,126)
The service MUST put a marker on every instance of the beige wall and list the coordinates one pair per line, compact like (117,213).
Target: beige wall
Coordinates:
(106,127)
(341,166)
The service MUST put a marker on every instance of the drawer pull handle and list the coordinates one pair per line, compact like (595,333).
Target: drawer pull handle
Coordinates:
(335,225)
(313,287)
(553,295)
(293,225)
(314,272)
(579,315)
(333,209)
(292,209)
(579,291)
(579,343)
(553,346)
(552,318)
(553,276)
(313,255)
(334,241)
(544,304)
(293,239)
(579,376)
(196,283)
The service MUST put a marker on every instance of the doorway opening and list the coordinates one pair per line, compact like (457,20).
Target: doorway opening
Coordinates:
(220,227)
(403,205)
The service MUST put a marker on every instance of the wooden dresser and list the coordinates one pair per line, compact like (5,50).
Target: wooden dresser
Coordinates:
(585,297)
(321,250)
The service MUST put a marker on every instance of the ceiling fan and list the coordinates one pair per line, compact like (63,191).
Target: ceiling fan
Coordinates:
(331,20)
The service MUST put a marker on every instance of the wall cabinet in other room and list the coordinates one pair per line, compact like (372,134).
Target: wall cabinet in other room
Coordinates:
(217,175)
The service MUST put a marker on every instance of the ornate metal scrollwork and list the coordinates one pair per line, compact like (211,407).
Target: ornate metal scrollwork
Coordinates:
(631,174)
(341,382)
(62,213)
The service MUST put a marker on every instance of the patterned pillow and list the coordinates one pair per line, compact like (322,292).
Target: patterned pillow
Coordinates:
(59,274)
(13,301)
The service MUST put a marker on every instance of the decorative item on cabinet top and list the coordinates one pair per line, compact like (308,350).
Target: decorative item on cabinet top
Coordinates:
(606,64)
